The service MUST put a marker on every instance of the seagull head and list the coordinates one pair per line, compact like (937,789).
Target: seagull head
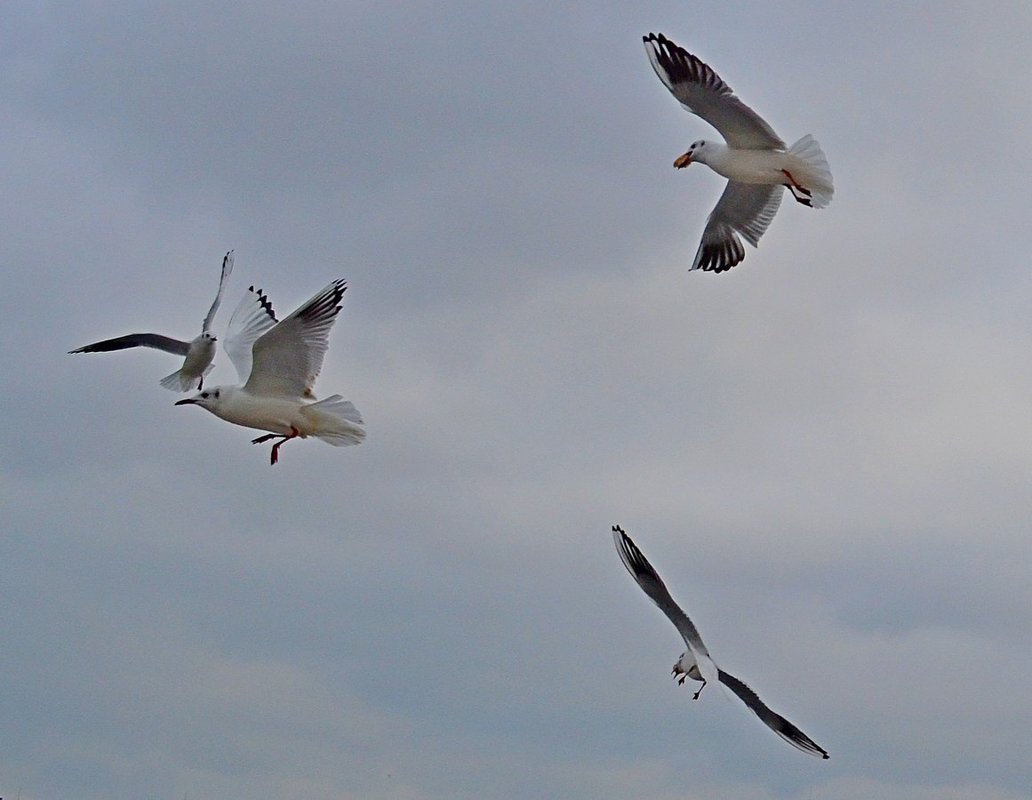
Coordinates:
(208,399)
(696,152)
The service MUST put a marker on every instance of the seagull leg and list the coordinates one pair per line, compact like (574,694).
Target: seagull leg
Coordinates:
(800,193)
(294,433)
(696,695)
(264,438)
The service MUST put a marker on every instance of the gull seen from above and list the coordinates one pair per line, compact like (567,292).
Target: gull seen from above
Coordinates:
(695,662)
(754,159)
(198,353)
(277,363)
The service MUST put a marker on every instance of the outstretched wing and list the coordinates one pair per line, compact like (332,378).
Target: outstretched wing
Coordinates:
(700,90)
(154,340)
(650,582)
(227,267)
(253,317)
(777,723)
(288,358)
(744,208)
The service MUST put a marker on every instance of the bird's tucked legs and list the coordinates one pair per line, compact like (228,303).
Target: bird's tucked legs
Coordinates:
(294,433)
(800,193)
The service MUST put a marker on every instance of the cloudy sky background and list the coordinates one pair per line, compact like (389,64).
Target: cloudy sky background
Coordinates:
(826,452)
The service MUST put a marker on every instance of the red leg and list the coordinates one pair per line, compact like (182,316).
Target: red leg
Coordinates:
(800,193)
(294,432)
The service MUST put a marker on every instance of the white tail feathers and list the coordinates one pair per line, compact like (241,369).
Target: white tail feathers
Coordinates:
(339,421)
(815,173)
(180,381)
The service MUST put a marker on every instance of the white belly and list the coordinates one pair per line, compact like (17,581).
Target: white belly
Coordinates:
(274,414)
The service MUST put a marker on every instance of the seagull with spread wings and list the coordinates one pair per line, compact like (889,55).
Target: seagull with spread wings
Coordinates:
(695,662)
(754,158)
(277,363)
(198,353)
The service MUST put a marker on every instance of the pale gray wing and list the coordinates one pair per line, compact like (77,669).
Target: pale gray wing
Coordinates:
(154,340)
(777,723)
(252,318)
(288,358)
(227,267)
(650,582)
(745,208)
(700,90)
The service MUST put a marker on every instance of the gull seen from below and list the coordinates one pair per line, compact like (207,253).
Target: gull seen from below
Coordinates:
(754,158)
(198,353)
(695,662)
(277,363)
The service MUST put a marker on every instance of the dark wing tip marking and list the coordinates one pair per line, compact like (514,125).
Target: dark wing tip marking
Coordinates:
(326,304)
(721,256)
(683,67)
(264,301)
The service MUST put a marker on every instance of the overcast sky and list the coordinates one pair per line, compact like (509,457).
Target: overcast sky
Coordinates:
(826,452)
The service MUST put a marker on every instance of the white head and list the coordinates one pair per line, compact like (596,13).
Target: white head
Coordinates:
(698,151)
(208,398)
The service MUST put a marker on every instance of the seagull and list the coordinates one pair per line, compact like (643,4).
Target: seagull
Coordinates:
(754,158)
(198,352)
(277,363)
(695,662)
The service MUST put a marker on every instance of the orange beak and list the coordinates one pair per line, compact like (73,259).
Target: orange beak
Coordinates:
(683,161)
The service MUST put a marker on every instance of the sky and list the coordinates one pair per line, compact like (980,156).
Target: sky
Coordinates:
(826,452)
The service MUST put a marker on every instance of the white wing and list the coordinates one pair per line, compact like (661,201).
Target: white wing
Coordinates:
(253,317)
(650,582)
(700,90)
(744,208)
(227,267)
(288,358)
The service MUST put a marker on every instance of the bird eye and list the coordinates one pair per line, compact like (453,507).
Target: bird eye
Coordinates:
(204,395)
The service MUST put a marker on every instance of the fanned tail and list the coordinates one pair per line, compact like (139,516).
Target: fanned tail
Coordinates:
(180,381)
(816,175)
(344,418)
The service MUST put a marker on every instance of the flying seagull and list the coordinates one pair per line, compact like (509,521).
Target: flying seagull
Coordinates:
(754,158)
(277,363)
(695,662)
(198,352)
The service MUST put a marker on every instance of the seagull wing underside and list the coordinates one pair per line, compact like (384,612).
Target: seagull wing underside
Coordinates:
(227,267)
(701,91)
(743,208)
(252,318)
(777,723)
(288,358)
(154,340)
(650,582)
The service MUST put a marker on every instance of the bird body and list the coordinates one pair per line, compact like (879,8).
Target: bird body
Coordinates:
(762,167)
(198,363)
(330,420)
